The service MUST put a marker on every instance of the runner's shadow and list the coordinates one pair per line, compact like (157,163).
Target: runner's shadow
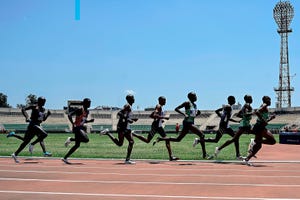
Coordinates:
(236,163)
(31,161)
(227,162)
(150,162)
(183,164)
(259,165)
(123,164)
(74,163)
(119,163)
(154,162)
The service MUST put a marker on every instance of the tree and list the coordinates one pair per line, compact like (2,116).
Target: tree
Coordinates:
(3,101)
(20,106)
(31,99)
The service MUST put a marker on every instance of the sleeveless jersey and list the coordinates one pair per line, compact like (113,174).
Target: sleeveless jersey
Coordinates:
(225,116)
(246,118)
(123,121)
(160,121)
(191,113)
(129,116)
(37,115)
(81,118)
(265,117)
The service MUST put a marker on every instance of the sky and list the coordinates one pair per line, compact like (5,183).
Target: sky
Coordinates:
(109,48)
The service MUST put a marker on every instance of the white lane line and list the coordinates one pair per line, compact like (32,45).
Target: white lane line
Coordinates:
(149,174)
(195,170)
(164,168)
(138,196)
(152,182)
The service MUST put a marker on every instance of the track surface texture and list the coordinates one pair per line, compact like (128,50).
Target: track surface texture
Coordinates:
(275,175)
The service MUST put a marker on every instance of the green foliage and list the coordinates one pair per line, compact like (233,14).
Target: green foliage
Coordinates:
(31,99)
(3,101)
(103,147)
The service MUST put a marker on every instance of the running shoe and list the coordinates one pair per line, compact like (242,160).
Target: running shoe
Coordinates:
(31,148)
(104,132)
(10,134)
(240,158)
(196,141)
(65,160)
(173,158)
(15,158)
(47,154)
(68,141)
(217,151)
(208,157)
(130,162)
(246,162)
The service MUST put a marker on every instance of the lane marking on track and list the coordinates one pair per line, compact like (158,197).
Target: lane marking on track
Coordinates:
(167,168)
(152,182)
(151,174)
(137,196)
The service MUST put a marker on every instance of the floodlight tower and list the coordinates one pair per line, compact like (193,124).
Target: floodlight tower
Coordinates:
(283,14)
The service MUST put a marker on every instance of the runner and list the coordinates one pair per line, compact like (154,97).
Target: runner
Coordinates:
(123,128)
(245,127)
(262,134)
(190,113)
(79,129)
(13,134)
(157,126)
(38,115)
(225,114)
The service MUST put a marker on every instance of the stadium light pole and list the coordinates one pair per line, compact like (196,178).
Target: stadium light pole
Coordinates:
(283,14)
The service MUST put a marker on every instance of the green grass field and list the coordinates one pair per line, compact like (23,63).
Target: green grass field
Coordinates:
(103,147)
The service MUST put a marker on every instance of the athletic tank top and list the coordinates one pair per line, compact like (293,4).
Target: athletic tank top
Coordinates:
(37,115)
(161,114)
(191,113)
(265,117)
(246,118)
(81,119)
(129,116)
(126,114)
(225,116)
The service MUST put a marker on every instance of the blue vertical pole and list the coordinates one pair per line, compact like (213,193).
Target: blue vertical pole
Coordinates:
(77,9)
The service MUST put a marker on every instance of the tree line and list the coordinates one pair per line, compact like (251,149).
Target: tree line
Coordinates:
(30,99)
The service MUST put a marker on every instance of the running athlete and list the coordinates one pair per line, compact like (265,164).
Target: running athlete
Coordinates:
(79,129)
(13,134)
(245,127)
(38,115)
(123,128)
(260,130)
(190,113)
(225,114)
(158,118)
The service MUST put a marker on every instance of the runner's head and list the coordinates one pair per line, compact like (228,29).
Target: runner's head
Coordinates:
(231,100)
(162,100)
(41,101)
(86,102)
(266,100)
(130,98)
(248,98)
(192,96)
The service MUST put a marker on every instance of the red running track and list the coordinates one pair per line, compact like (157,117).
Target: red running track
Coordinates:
(276,175)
